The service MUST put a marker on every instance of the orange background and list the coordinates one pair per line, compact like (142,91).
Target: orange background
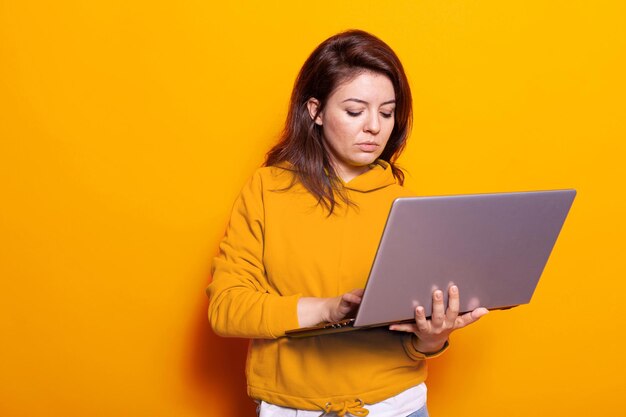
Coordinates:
(128,128)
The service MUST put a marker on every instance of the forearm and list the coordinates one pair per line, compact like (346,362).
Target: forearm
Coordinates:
(430,346)
(422,352)
(312,310)
(242,312)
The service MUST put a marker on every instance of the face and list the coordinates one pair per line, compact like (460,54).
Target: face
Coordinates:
(357,121)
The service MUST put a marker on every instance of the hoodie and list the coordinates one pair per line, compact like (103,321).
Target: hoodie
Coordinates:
(280,245)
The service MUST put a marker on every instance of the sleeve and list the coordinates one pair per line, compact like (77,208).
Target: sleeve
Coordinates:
(241,302)
(409,343)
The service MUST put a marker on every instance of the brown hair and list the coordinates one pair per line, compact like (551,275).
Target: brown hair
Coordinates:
(337,60)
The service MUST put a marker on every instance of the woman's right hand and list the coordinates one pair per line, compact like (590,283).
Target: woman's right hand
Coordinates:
(314,310)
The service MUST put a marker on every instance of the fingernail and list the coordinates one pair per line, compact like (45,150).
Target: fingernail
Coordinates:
(438,295)
(454,289)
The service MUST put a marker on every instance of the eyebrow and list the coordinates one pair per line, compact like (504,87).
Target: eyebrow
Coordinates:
(358,100)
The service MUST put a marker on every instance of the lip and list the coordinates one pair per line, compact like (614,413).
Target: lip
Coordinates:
(367,146)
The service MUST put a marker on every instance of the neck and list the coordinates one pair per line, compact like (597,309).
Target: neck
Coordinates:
(347,174)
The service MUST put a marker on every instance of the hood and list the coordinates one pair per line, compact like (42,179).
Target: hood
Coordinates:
(379,176)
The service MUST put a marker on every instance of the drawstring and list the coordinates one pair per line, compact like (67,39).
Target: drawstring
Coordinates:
(355,408)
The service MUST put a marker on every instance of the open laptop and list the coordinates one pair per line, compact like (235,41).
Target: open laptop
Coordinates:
(494,247)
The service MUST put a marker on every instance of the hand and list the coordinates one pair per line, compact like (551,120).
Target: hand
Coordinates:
(340,307)
(314,310)
(433,333)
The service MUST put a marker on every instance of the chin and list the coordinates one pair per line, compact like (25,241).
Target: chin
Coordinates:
(365,160)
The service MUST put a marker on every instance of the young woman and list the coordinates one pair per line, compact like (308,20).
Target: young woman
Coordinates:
(302,237)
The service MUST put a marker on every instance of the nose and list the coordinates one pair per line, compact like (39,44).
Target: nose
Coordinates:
(372,123)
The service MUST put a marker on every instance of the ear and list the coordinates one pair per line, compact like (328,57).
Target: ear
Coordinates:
(313,104)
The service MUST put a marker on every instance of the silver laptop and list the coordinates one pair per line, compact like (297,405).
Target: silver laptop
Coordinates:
(494,247)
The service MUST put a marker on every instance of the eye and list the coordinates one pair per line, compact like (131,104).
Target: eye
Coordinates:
(353,113)
(387,112)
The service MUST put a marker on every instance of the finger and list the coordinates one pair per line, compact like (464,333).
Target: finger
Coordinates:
(452,311)
(420,320)
(438,309)
(469,318)
(479,312)
(404,327)
(351,298)
(358,291)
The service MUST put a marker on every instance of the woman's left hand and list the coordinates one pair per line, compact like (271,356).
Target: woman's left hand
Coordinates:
(433,333)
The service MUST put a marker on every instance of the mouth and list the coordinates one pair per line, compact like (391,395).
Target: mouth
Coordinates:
(367,146)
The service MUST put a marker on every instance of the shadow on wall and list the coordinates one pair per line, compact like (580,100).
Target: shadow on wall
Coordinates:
(217,372)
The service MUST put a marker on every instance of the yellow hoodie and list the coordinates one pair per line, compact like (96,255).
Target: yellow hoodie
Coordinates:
(281,245)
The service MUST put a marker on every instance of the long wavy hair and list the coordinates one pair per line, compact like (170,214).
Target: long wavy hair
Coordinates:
(337,60)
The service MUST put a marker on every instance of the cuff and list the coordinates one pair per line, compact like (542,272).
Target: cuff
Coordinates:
(282,315)
(409,343)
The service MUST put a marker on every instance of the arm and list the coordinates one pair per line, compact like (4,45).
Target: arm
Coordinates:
(242,303)
(312,311)
(430,336)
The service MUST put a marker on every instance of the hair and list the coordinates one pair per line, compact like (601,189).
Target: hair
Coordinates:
(335,61)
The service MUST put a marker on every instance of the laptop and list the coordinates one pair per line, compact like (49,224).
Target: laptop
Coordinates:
(494,247)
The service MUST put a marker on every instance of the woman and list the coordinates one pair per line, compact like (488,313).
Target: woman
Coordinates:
(303,234)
